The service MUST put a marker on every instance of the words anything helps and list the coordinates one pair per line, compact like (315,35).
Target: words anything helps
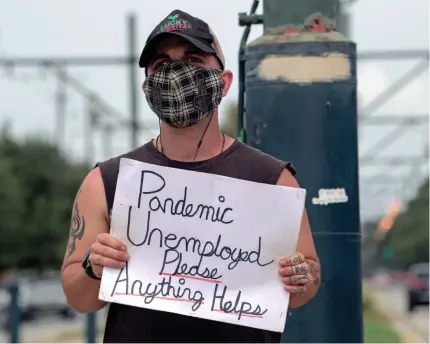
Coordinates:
(203,245)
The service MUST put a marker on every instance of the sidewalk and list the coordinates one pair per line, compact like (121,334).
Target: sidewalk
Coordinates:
(42,334)
(54,330)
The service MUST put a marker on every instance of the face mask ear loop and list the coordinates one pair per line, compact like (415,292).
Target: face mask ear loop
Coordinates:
(159,137)
(201,139)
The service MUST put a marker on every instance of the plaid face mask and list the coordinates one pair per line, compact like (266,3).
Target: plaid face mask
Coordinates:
(182,95)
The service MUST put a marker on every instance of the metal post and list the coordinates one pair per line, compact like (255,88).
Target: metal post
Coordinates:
(91,121)
(247,21)
(133,80)
(107,138)
(301,106)
(344,21)
(91,329)
(14,313)
(60,107)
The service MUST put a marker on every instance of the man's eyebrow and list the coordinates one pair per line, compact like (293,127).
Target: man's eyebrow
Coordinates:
(159,57)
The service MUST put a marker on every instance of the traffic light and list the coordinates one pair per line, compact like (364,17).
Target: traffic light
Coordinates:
(241,137)
(387,252)
(387,221)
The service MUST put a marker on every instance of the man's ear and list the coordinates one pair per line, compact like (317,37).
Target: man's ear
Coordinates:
(227,78)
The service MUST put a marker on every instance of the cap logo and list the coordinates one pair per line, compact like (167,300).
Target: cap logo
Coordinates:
(174,23)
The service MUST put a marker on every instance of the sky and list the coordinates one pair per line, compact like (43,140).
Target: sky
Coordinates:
(52,28)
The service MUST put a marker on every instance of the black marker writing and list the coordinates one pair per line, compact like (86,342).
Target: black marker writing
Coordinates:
(191,244)
(118,280)
(181,207)
(237,306)
(163,289)
(174,257)
(143,192)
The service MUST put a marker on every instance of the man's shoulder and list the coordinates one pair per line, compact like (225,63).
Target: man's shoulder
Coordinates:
(109,170)
(138,153)
(257,158)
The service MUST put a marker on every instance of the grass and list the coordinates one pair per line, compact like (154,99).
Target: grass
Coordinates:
(377,328)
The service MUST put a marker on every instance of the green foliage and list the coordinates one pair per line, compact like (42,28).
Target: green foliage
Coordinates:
(37,189)
(228,121)
(409,237)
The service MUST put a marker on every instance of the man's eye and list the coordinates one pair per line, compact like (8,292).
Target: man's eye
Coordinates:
(195,60)
(160,64)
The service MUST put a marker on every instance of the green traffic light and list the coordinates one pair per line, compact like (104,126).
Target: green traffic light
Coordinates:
(387,252)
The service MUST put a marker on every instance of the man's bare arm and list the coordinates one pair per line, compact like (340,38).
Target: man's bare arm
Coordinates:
(306,247)
(89,219)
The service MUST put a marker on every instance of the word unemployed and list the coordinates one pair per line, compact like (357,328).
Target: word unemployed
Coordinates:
(172,242)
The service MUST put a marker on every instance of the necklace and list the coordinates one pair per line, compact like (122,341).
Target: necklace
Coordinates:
(161,149)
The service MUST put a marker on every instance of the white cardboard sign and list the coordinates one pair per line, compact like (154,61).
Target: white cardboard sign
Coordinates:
(203,245)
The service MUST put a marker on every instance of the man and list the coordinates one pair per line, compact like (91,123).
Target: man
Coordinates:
(185,82)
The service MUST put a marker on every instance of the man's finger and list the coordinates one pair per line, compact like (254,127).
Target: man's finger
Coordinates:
(294,270)
(97,259)
(109,240)
(295,290)
(300,269)
(295,259)
(297,279)
(109,252)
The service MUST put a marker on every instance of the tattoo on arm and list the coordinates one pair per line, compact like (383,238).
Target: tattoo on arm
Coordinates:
(77,229)
(315,271)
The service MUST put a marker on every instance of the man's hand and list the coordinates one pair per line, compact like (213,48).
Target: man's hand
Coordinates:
(107,251)
(296,273)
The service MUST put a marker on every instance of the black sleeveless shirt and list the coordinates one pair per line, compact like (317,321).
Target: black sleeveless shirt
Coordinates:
(127,324)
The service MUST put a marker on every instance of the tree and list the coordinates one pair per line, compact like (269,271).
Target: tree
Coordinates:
(37,189)
(229,120)
(409,237)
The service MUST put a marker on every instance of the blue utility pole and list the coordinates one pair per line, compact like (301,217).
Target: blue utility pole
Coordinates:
(14,313)
(301,106)
(91,328)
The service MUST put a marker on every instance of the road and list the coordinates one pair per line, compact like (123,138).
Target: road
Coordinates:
(393,299)
(47,329)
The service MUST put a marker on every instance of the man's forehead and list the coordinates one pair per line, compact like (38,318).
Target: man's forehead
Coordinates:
(175,42)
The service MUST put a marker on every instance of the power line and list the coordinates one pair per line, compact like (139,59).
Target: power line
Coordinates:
(406,160)
(392,90)
(403,119)
(109,110)
(78,61)
(130,61)
(383,143)
(394,55)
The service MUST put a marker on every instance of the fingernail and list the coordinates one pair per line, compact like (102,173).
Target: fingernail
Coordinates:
(122,264)
(124,248)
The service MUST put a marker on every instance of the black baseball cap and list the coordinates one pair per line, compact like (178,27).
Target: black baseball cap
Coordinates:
(192,29)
